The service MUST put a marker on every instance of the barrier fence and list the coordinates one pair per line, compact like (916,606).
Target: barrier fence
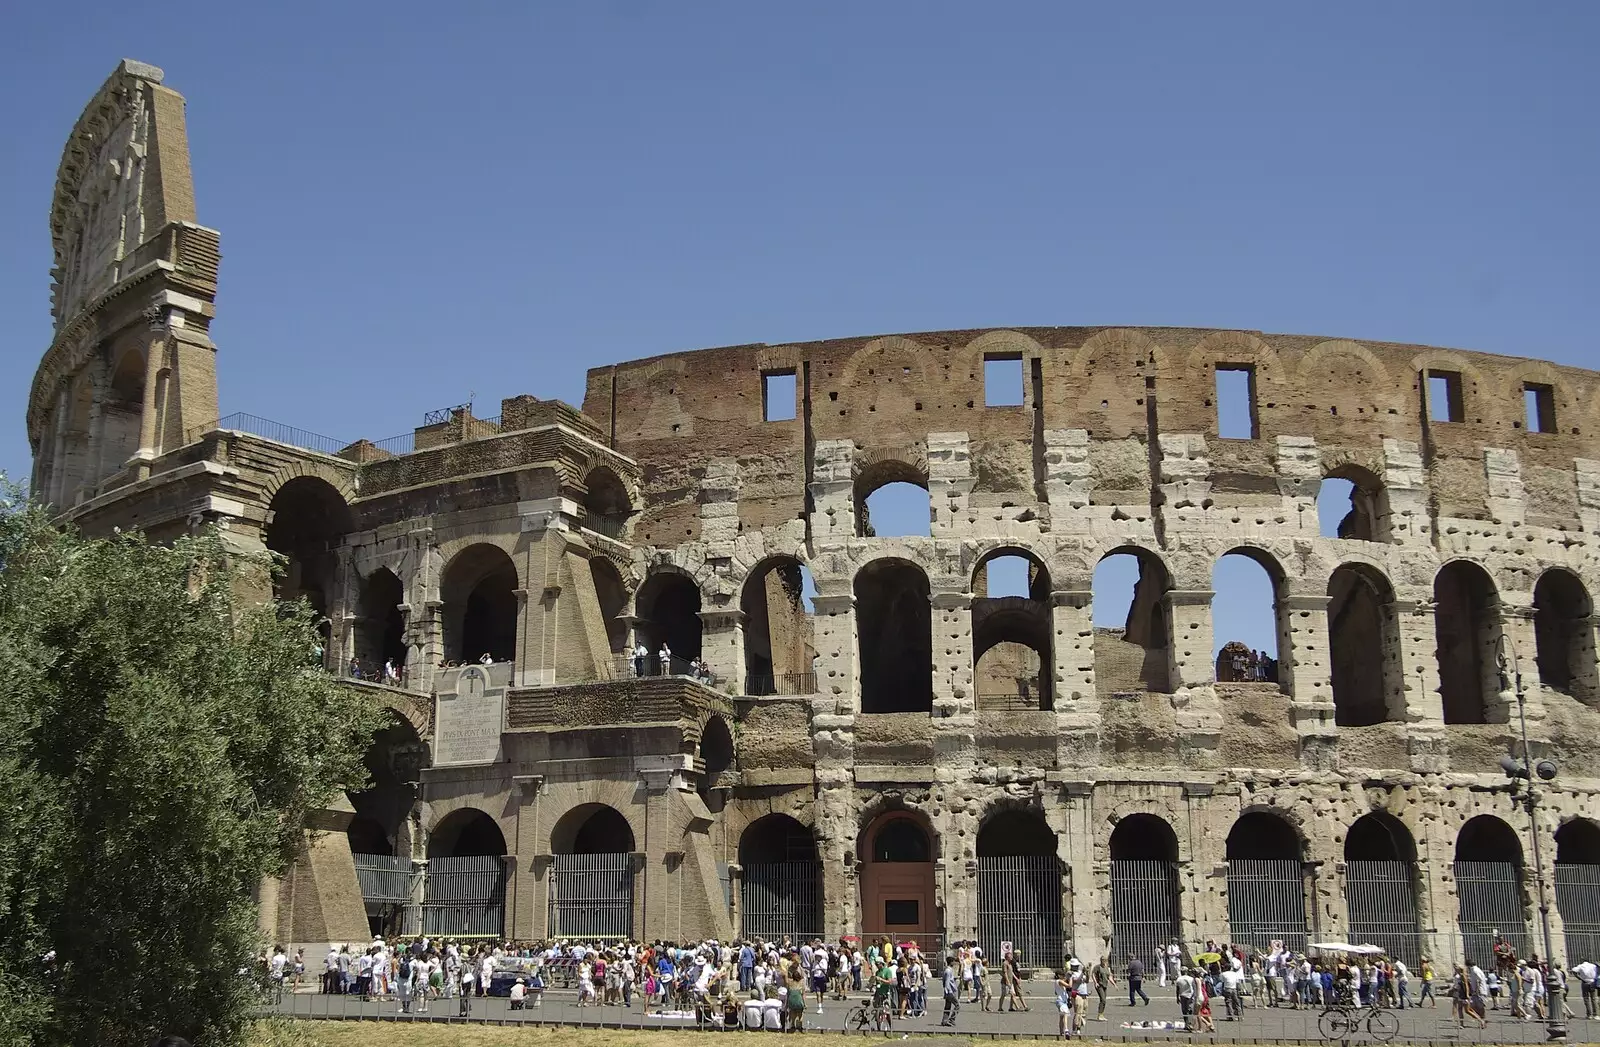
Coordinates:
(591,895)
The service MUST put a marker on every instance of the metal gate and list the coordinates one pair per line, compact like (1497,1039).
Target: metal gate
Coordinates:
(1144,909)
(779,898)
(465,897)
(384,878)
(1490,894)
(1267,900)
(591,896)
(1382,901)
(1578,899)
(1019,901)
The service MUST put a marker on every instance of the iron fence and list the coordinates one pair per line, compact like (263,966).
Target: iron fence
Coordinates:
(267,429)
(1267,902)
(591,896)
(1490,896)
(1578,901)
(1144,909)
(764,684)
(405,443)
(1382,903)
(779,898)
(1019,901)
(384,878)
(465,897)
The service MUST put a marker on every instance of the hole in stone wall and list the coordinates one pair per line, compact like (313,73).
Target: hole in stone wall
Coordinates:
(1363,641)
(1466,626)
(1011,644)
(668,605)
(1539,406)
(778,651)
(895,637)
(1244,620)
(1445,402)
(1565,640)
(1132,622)
(1351,503)
(897,510)
(1236,402)
(1002,381)
(478,588)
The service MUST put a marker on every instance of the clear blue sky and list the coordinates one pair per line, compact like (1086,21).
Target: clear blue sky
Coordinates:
(423,202)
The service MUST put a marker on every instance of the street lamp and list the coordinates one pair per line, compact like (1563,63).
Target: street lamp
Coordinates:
(1532,773)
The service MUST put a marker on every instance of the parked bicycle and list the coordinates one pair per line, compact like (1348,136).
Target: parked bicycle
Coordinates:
(868,1016)
(1343,1020)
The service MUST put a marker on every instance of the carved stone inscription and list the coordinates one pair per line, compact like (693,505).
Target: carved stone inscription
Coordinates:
(468,722)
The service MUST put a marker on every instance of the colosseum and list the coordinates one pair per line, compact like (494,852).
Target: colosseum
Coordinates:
(850,732)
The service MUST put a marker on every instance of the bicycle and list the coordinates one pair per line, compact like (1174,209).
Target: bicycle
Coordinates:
(869,1016)
(1340,1021)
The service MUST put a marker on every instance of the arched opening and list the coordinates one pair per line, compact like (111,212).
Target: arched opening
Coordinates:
(1145,910)
(1488,873)
(1352,504)
(716,762)
(606,506)
(669,617)
(780,890)
(1467,627)
(1381,885)
(1578,888)
(612,595)
(380,631)
(479,590)
(1564,634)
(1266,882)
(894,627)
(466,885)
(122,413)
(1132,623)
(897,876)
(591,876)
(1019,888)
(777,628)
(380,833)
(1248,613)
(305,522)
(1012,649)
(1363,648)
(892,501)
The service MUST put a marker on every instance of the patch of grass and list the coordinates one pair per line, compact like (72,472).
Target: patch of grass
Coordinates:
(286,1033)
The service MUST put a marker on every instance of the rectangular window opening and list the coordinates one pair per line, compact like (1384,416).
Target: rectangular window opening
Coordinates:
(1002,381)
(1444,397)
(1540,403)
(1236,402)
(901,913)
(777,396)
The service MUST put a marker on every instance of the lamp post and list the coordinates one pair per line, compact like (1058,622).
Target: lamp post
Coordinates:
(1532,773)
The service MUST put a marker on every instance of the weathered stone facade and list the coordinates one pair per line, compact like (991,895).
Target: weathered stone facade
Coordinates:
(670,511)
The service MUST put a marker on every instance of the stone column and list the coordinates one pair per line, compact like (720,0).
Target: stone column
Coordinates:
(952,655)
(1516,622)
(1419,668)
(1304,667)
(1086,907)
(522,887)
(528,668)
(58,451)
(428,639)
(1203,868)
(722,646)
(834,625)
(1191,669)
(1076,704)
(154,361)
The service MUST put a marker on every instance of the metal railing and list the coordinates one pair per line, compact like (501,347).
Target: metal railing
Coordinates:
(1267,902)
(592,895)
(763,684)
(779,898)
(267,429)
(444,414)
(405,443)
(384,878)
(1019,901)
(465,896)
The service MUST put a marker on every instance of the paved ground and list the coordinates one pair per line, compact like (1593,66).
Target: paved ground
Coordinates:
(1258,1023)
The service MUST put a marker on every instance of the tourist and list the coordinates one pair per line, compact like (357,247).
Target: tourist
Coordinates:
(1203,1003)
(391,675)
(1136,981)
(1232,994)
(1103,978)
(1064,1005)
(641,659)
(403,983)
(772,1012)
(1079,979)
(664,656)
(1589,985)
(355,668)
(952,989)
(1184,988)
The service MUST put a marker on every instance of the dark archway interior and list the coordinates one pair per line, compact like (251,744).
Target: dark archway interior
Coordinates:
(1560,607)
(776,838)
(394,766)
(308,519)
(1143,837)
(894,626)
(1260,835)
(465,833)
(1016,834)
(605,503)
(1464,624)
(669,608)
(716,749)
(901,840)
(479,592)
(776,648)
(1012,659)
(1488,839)
(613,597)
(593,829)
(368,837)
(1360,641)
(380,635)
(1578,843)
(1379,837)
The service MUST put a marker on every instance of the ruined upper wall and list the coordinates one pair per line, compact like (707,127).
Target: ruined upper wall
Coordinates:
(887,393)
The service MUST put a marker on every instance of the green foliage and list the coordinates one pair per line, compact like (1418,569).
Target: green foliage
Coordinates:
(161,743)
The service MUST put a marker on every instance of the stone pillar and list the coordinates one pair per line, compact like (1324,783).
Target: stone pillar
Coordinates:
(950,483)
(833,516)
(1516,622)
(1405,490)
(1076,704)
(1304,667)
(154,361)
(1299,468)
(1437,905)
(722,646)
(1191,670)
(58,451)
(1419,667)
(1089,910)
(834,625)
(411,914)
(1203,868)
(952,655)
(521,889)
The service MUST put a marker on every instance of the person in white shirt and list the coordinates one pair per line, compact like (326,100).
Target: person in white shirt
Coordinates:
(1183,984)
(485,975)
(1232,990)
(1589,984)
(750,1012)
(519,996)
(330,970)
(772,1013)
(277,965)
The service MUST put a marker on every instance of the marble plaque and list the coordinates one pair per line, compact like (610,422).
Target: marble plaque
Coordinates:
(468,722)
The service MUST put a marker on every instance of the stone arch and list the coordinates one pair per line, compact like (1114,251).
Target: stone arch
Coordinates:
(467,832)
(1139,655)
(122,411)
(1467,629)
(1477,392)
(777,627)
(1265,833)
(1577,875)
(668,605)
(307,517)
(394,760)
(1019,885)
(611,591)
(1107,387)
(1379,836)
(1363,621)
(780,883)
(894,623)
(1488,880)
(1146,908)
(1278,580)
(478,588)
(1314,362)
(1368,515)
(1518,375)
(608,502)
(1334,373)
(1381,884)
(1266,877)
(891,359)
(897,850)
(380,630)
(342,481)
(875,472)
(1563,629)
(968,359)
(1012,636)
(714,757)
(593,828)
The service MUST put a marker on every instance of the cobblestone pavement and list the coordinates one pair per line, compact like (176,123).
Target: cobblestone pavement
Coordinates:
(1257,1023)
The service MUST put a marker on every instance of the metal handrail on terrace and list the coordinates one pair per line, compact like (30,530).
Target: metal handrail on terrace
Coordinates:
(267,429)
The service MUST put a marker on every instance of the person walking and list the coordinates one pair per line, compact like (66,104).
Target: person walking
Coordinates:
(952,990)
(1136,981)
(1103,980)
(1064,1004)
